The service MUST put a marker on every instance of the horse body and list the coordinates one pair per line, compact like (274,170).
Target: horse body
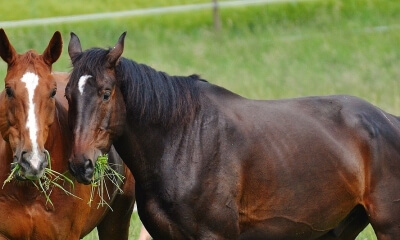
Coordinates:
(288,169)
(233,168)
(24,210)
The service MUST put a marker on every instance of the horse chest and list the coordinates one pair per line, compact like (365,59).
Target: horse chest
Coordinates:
(24,222)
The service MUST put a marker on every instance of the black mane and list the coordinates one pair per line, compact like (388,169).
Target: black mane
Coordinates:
(150,96)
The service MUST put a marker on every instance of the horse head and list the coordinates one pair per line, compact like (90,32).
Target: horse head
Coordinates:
(96,106)
(21,123)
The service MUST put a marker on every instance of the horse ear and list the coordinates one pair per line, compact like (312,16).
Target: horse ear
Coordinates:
(74,46)
(54,49)
(115,53)
(7,51)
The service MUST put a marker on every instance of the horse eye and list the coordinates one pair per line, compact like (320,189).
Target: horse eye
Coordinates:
(9,92)
(106,95)
(53,93)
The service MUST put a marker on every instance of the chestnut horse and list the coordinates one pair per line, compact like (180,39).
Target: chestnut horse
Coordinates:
(33,118)
(210,164)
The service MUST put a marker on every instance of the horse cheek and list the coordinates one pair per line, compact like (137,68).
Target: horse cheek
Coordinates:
(7,121)
(51,117)
(104,141)
(4,126)
(12,139)
(3,116)
(118,115)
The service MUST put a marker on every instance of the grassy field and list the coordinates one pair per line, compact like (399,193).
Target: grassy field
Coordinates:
(263,52)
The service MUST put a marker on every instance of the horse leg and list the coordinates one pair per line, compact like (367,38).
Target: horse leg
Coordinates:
(387,230)
(386,224)
(383,211)
(115,225)
(350,227)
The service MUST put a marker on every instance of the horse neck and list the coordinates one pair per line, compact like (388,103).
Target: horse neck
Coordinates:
(59,139)
(155,97)
(164,105)
(139,146)
(143,148)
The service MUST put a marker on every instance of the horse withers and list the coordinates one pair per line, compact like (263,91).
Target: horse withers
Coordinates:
(210,164)
(33,123)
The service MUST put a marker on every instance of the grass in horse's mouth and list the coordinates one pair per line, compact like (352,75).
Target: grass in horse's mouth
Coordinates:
(47,182)
(102,172)
(52,179)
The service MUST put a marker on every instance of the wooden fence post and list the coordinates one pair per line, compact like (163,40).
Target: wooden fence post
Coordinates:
(216,17)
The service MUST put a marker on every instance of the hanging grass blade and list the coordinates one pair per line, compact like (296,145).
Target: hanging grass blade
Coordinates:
(44,191)
(10,177)
(103,171)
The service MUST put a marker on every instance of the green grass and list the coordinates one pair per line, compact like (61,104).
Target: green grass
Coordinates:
(103,172)
(264,52)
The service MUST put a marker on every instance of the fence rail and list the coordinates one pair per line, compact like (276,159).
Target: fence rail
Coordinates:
(138,12)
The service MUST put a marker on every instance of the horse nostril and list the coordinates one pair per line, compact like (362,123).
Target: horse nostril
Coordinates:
(23,155)
(88,164)
(44,164)
(47,156)
(24,161)
(88,172)
(71,168)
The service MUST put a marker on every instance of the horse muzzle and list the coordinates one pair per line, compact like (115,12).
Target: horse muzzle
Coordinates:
(32,165)
(83,172)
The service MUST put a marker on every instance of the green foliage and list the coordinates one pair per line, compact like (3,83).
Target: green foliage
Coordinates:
(265,51)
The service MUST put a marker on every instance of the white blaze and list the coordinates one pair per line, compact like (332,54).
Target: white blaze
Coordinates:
(82,82)
(31,81)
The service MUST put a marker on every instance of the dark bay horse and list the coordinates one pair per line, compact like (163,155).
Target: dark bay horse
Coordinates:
(33,118)
(210,164)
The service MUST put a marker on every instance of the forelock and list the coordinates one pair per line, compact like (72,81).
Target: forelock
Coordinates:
(90,62)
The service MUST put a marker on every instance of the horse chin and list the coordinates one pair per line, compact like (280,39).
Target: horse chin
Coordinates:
(80,177)
(34,177)
(83,180)
(20,177)
(24,177)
